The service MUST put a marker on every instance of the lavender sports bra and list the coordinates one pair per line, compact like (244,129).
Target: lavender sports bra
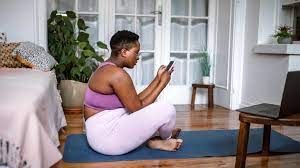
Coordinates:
(98,100)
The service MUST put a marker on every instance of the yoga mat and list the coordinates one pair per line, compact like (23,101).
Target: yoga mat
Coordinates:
(195,144)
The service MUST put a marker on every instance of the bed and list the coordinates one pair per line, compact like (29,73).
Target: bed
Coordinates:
(30,118)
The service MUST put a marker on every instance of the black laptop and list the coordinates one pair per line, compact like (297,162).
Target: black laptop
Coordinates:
(290,102)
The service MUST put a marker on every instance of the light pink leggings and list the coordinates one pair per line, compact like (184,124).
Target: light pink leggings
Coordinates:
(116,132)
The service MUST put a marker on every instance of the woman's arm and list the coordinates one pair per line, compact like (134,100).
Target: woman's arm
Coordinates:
(124,89)
(150,88)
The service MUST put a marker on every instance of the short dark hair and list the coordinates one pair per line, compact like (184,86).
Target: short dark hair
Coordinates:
(122,39)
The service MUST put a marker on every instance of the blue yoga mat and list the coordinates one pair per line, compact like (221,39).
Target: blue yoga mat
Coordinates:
(196,144)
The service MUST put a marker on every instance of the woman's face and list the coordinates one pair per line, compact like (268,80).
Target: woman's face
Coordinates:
(132,55)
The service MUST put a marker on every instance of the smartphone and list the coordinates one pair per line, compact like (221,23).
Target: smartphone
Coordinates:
(171,63)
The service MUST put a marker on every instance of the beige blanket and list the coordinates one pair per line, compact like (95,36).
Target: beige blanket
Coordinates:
(30,118)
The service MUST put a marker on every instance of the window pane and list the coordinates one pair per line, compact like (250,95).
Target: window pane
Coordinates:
(199,8)
(180,66)
(198,34)
(146,69)
(124,23)
(146,31)
(88,5)
(65,5)
(195,71)
(145,6)
(125,6)
(180,7)
(92,22)
(179,34)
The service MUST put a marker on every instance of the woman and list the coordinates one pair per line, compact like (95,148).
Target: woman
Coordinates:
(118,119)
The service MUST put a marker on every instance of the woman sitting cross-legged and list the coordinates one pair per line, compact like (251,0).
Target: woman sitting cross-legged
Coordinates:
(118,120)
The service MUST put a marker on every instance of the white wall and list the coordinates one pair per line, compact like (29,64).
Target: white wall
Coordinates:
(263,75)
(24,20)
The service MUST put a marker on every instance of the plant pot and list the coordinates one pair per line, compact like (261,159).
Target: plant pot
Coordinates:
(72,93)
(205,80)
(284,40)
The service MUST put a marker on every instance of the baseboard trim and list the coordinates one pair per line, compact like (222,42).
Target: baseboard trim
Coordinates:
(246,104)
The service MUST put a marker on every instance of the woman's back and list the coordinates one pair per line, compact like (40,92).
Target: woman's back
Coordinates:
(99,94)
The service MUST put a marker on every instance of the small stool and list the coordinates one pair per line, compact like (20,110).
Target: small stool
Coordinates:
(210,95)
(245,120)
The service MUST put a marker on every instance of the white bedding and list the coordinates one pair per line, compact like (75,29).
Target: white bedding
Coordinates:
(30,118)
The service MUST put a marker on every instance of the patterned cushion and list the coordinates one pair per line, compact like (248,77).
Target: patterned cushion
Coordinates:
(34,56)
(7,59)
(3,37)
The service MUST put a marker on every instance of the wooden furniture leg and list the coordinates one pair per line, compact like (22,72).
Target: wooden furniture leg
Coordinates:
(246,119)
(193,98)
(210,97)
(242,145)
(266,140)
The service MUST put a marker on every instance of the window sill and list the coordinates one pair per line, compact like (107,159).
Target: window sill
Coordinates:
(280,49)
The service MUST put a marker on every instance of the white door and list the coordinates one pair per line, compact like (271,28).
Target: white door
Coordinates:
(223,53)
(169,30)
(144,18)
(191,30)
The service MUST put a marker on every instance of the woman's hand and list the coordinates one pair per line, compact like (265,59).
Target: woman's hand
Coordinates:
(165,77)
(160,71)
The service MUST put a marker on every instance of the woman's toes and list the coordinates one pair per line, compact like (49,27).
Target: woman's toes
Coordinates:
(179,142)
(175,133)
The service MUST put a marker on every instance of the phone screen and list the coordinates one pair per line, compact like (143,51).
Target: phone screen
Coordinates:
(169,65)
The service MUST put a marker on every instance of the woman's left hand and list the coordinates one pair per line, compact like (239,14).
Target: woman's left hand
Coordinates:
(160,71)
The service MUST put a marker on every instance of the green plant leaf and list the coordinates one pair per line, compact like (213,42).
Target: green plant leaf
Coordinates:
(71,14)
(58,18)
(51,28)
(71,48)
(53,14)
(69,26)
(49,21)
(82,45)
(83,37)
(81,24)
(88,53)
(63,58)
(89,47)
(99,58)
(205,63)
(81,61)
(75,71)
(87,70)
(102,45)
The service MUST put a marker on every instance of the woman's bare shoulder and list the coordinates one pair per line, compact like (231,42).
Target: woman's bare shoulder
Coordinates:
(111,73)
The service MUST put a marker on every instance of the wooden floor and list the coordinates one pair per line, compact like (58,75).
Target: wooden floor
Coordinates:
(200,119)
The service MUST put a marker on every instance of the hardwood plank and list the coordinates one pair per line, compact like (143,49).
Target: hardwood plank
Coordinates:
(201,118)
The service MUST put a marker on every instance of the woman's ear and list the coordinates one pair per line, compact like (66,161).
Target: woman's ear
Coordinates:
(123,52)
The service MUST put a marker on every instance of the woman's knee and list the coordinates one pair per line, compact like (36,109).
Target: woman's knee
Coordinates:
(166,109)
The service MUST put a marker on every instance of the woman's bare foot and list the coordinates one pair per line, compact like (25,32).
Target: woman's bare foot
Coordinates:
(175,133)
(166,145)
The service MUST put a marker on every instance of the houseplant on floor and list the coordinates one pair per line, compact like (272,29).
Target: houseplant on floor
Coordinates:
(284,34)
(68,43)
(205,66)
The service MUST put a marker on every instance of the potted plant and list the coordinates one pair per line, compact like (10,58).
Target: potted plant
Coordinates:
(68,43)
(284,34)
(205,67)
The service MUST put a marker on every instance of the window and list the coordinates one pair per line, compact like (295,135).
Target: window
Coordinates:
(189,22)
(88,11)
(291,9)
